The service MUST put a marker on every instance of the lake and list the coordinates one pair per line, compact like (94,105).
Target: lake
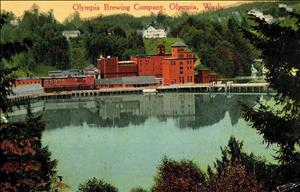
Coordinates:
(122,139)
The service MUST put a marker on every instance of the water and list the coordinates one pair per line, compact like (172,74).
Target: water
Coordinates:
(122,139)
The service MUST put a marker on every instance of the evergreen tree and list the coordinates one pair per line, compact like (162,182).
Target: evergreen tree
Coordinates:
(96,185)
(279,43)
(235,178)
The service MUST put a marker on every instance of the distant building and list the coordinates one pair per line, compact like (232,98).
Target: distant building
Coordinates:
(67,73)
(91,70)
(268,18)
(284,6)
(14,22)
(71,34)
(152,33)
(205,75)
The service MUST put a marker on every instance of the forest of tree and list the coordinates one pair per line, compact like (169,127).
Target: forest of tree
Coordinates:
(214,36)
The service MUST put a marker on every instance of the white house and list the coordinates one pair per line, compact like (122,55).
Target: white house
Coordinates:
(14,22)
(71,34)
(151,32)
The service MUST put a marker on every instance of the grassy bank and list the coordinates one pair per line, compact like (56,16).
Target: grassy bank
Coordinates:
(151,44)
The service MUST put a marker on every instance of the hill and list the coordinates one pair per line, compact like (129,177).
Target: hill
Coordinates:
(151,44)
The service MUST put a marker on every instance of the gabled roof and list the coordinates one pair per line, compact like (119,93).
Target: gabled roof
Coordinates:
(90,67)
(150,27)
(179,44)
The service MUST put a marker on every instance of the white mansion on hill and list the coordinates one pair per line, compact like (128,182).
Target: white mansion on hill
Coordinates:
(152,33)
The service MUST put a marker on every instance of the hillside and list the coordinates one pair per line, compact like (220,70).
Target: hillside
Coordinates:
(214,36)
(151,44)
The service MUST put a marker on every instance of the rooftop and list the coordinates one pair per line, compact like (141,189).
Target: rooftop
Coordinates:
(125,62)
(135,80)
(26,88)
(179,44)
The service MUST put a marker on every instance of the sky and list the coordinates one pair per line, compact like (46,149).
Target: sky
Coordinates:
(63,9)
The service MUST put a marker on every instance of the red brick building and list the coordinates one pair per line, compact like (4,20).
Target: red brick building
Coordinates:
(151,64)
(110,67)
(179,68)
(205,76)
(27,81)
(174,68)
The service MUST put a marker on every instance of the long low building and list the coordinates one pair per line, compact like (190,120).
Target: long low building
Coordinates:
(30,90)
(135,81)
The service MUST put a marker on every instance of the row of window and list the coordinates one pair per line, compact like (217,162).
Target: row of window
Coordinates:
(181,62)
(54,81)
(181,80)
(190,79)
(28,82)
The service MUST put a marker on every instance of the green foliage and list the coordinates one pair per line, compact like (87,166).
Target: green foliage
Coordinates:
(96,185)
(179,176)
(151,44)
(233,154)
(77,54)
(279,125)
(73,22)
(219,45)
(102,38)
(25,164)
(6,80)
(6,77)
(138,189)
(50,47)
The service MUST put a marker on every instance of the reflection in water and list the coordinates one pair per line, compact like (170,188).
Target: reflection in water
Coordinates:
(189,110)
(83,134)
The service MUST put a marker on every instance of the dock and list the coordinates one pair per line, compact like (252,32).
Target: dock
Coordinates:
(228,87)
